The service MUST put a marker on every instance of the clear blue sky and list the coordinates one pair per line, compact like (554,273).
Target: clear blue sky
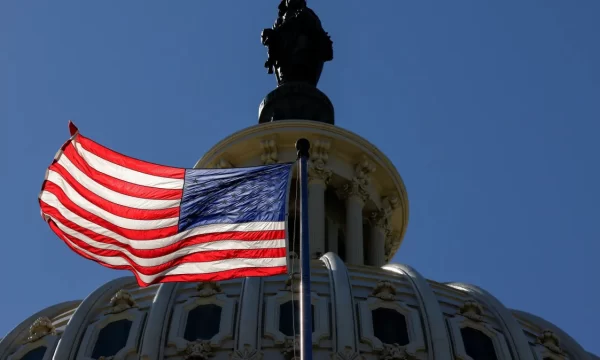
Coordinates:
(490,110)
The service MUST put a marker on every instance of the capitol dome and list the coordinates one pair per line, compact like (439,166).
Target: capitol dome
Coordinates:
(362,306)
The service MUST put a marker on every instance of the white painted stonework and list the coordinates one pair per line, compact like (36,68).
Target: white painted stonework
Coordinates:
(358,217)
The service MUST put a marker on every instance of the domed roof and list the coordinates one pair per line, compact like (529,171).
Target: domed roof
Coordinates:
(253,318)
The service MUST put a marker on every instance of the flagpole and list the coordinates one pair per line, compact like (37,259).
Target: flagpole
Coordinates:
(302,146)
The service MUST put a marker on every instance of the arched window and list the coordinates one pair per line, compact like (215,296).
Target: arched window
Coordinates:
(289,318)
(389,326)
(478,345)
(203,322)
(35,354)
(112,338)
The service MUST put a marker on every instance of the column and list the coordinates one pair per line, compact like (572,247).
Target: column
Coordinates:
(356,194)
(376,249)
(316,216)
(355,200)
(332,236)
(318,177)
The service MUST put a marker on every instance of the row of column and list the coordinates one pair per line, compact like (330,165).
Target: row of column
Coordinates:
(355,195)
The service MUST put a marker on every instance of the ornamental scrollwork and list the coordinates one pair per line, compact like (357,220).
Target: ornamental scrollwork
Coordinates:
(392,242)
(383,214)
(198,350)
(223,164)
(384,290)
(550,341)
(120,302)
(472,310)
(293,283)
(358,186)
(317,167)
(396,352)
(247,353)
(380,218)
(291,349)
(269,152)
(207,289)
(347,354)
(41,327)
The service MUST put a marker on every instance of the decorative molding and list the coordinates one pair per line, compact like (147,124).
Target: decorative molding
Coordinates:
(343,306)
(434,323)
(347,354)
(41,327)
(550,341)
(475,321)
(154,337)
(14,339)
(269,152)
(223,164)
(358,185)
(384,290)
(291,349)
(272,311)
(197,350)
(517,340)
(207,289)
(396,352)
(381,217)
(49,341)
(472,310)
(317,166)
(249,313)
(84,314)
(547,345)
(181,312)
(572,347)
(392,243)
(293,283)
(293,256)
(247,353)
(120,302)
(92,332)
(413,321)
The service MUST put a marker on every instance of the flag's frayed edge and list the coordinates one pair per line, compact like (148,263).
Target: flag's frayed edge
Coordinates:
(74,131)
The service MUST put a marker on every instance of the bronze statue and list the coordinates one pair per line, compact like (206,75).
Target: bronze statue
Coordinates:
(297,44)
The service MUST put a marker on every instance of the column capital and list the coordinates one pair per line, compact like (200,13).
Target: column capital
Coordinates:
(358,185)
(354,189)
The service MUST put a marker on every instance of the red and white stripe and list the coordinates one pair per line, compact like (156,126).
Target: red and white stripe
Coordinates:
(123,213)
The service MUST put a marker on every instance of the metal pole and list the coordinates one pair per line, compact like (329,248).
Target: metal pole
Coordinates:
(302,146)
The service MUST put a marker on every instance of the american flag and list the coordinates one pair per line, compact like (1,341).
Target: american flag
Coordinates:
(163,223)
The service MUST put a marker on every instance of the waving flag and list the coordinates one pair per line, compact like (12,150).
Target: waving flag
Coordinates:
(167,224)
